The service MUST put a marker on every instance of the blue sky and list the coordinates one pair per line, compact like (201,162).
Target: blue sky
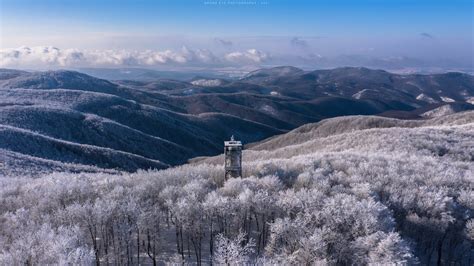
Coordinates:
(424,29)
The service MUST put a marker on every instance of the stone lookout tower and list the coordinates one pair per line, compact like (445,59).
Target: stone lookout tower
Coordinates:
(233,158)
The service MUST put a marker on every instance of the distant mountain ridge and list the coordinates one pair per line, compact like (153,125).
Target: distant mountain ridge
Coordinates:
(366,83)
(68,117)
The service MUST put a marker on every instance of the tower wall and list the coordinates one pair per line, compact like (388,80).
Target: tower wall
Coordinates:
(233,159)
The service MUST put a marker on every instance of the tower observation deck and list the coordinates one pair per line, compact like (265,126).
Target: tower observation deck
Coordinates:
(233,158)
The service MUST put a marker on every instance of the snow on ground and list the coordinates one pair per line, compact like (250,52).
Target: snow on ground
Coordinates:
(268,109)
(361,94)
(207,82)
(470,100)
(447,99)
(425,98)
(352,190)
(438,112)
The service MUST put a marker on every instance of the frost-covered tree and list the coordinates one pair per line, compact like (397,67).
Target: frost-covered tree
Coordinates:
(232,251)
(373,196)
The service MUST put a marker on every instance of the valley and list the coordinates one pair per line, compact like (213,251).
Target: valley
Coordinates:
(76,121)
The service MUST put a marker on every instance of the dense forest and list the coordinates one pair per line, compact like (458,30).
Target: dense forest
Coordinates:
(403,194)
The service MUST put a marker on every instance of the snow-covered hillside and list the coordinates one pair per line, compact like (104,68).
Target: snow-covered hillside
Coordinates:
(44,114)
(164,122)
(350,190)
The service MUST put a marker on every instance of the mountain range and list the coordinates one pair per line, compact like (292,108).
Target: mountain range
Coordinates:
(69,121)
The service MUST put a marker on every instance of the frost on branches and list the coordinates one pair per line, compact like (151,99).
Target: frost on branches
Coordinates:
(234,251)
(377,196)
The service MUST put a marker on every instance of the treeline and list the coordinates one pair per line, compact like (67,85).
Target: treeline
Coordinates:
(360,206)
(328,213)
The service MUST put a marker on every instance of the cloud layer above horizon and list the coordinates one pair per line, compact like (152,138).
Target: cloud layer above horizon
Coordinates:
(53,57)
(50,57)
(194,33)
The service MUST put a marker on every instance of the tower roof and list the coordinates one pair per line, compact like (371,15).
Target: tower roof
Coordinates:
(233,142)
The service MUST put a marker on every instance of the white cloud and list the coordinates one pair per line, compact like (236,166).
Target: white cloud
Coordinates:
(249,56)
(54,57)
(47,55)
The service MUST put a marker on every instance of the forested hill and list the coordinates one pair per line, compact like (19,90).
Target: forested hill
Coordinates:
(354,190)
(69,121)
